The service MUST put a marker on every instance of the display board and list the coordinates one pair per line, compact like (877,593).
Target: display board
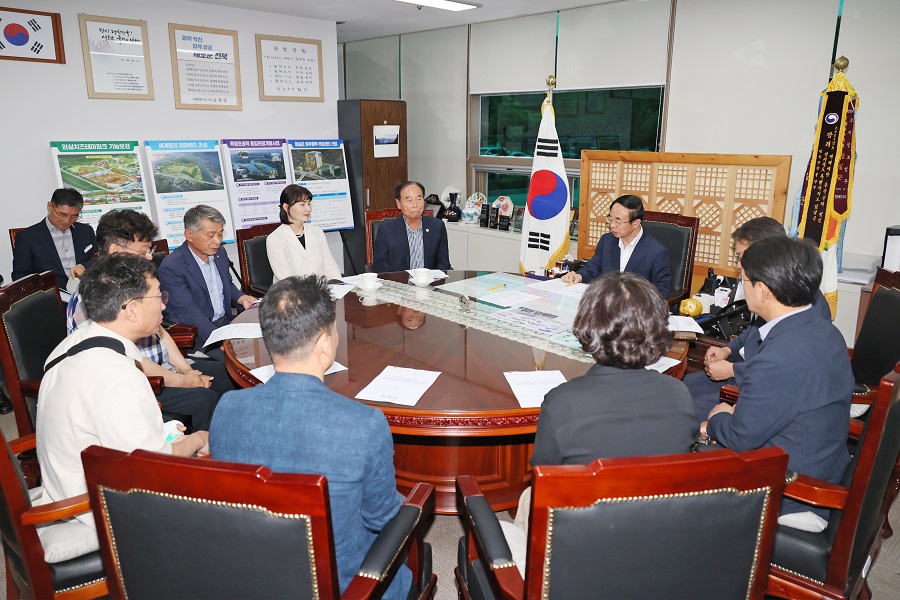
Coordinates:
(183,174)
(723,190)
(255,174)
(321,167)
(108,174)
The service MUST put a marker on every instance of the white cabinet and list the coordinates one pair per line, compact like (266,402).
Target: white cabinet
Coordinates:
(477,248)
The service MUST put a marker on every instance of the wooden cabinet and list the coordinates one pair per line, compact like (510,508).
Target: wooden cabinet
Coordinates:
(372,180)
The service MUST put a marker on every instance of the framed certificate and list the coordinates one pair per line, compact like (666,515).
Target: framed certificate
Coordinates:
(31,35)
(290,69)
(116,58)
(206,67)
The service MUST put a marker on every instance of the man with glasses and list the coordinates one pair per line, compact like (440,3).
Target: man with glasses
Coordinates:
(57,243)
(92,393)
(191,390)
(725,365)
(627,247)
(413,241)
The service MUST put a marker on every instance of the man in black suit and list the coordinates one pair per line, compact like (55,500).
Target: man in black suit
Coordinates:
(413,241)
(56,243)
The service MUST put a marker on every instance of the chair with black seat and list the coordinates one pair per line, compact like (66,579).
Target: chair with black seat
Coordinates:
(679,526)
(678,233)
(182,527)
(28,575)
(834,563)
(256,272)
(373,220)
(34,323)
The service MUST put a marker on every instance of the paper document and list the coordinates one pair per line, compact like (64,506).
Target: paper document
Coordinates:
(435,274)
(234,331)
(399,385)
(339,290)
(663,364)
(536,317)
(531,386)
(352,279)
(677,323)
(265,373)
(557,287)
(504,297)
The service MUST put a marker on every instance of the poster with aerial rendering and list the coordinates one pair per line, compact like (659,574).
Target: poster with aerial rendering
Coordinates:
(183,174)
(108,174)
(320,167)
(255,174)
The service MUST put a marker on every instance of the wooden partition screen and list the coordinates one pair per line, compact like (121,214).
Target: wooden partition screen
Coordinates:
(723,190)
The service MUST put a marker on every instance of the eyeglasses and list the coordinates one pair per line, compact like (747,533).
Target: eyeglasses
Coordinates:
(163,296)
(142,250)
(615,220)
(66,216)
(738,256)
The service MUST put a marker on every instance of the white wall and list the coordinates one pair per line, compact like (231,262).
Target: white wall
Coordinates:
(373,69)
(44,102)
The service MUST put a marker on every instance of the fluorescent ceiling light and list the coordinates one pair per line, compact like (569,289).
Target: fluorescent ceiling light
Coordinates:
(444,4)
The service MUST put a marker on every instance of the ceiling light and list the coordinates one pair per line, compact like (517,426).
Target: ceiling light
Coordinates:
(454,5)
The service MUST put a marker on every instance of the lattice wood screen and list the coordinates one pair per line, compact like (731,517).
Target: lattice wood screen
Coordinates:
(723,190)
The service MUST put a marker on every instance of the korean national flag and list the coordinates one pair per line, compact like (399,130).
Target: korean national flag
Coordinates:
(545,228)
(26,35)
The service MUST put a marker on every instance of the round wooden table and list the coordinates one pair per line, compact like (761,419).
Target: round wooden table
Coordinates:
(468,422)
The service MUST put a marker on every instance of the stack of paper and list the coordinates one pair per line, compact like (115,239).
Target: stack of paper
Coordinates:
(399,385)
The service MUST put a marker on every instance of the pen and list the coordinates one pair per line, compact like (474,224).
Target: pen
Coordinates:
(497,287)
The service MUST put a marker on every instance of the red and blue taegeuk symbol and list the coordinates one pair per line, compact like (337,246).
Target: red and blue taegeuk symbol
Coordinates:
(15,34)
(547,195)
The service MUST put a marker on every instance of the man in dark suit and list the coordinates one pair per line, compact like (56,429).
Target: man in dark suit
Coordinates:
(725,365)
(413,241)
(797,382)
(196,276)
(627,247)
(57,243)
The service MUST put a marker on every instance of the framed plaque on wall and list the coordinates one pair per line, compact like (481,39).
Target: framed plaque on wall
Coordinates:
(206,67)
(290,69)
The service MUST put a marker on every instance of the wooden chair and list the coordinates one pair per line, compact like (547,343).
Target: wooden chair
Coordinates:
(373,220)
(680,526)
(34,323)
(28,575)
(213,529)
(678,233)
(835,562)
(13,232)
(159,249)
(256,272)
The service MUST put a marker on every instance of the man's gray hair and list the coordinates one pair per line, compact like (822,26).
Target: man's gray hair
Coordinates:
(194,217)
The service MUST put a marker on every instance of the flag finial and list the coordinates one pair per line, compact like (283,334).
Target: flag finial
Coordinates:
(842,63)
(551,83)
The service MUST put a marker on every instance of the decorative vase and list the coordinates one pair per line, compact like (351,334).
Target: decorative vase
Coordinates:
(453,212)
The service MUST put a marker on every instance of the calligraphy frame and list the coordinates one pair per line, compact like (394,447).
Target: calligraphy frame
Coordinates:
(262,64)
(59,53)
(89,71)
(180,91)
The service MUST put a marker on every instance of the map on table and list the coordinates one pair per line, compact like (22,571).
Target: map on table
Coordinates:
(484,284)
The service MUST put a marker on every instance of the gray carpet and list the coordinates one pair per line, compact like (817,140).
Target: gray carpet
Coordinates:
(445,532)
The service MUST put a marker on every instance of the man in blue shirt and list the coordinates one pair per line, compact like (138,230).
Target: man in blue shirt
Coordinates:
(295,424)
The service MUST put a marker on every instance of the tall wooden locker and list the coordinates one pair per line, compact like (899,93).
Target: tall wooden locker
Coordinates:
(372,180)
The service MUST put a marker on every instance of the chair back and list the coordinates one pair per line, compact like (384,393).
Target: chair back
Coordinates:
(172,526)
(34,323)
(678,233)
(858,526)
(13,231)
(159,249)
(21,546)
(675,526)
(877,347)
(373,220)
(256,272)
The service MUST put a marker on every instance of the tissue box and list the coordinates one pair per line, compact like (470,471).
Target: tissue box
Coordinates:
(705,300)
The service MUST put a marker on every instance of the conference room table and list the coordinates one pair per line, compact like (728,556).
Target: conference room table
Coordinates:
(469,421)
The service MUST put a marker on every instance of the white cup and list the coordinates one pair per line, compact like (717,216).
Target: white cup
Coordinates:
(368,281)
(369,300)
(422,276)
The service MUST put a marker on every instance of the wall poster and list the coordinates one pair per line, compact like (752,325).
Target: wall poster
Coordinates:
(320,167)
(206,68)
(31,35)
(289,68)
(116,58)
(183,174)
(387,140)
(255,172)
(108,175)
